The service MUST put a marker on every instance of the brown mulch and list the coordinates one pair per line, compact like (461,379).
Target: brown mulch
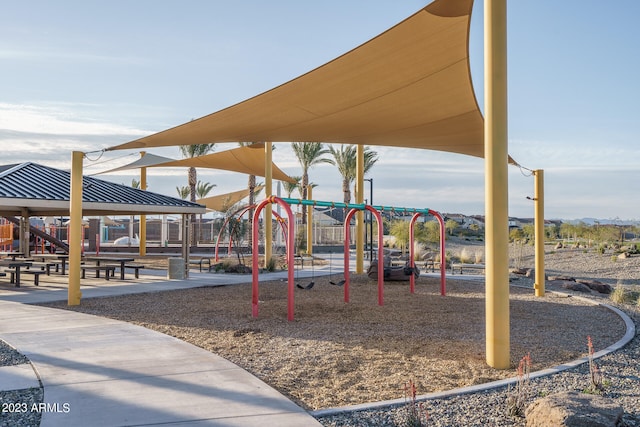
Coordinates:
(336,354)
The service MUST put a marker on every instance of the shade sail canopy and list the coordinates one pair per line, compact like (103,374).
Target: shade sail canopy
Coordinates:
(408,87)
(222,202)
(143,162)
(249,160)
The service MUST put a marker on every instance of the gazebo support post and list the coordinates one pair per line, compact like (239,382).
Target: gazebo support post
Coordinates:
(143,218)
(75,229)
(186,243)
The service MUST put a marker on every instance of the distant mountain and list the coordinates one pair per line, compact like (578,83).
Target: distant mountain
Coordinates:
(593,221)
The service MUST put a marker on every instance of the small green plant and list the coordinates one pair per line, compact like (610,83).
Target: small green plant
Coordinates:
(596,385)
(614,258)
(517,397)
(414,413)
(271,264)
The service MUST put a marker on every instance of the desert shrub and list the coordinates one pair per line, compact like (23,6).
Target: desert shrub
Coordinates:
(271,264)
(619,294)
(479,256)
(465,256)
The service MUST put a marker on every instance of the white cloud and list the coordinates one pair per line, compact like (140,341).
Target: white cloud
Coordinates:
(39,119)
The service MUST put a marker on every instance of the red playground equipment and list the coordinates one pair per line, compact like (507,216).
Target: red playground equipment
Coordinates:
(289,238)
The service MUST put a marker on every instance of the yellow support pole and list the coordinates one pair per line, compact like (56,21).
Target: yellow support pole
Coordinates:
(539,236)
(268,188)
(75,229)
(309,221)
(360,214)
(496,185)
(143,218)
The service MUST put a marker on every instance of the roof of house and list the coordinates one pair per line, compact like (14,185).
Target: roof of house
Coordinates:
(45,191)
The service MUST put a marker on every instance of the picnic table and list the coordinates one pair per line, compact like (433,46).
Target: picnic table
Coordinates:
(12,255)
(111,260)
(62,258)
(15,266)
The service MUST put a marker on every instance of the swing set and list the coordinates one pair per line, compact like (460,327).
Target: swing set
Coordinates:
(290,248)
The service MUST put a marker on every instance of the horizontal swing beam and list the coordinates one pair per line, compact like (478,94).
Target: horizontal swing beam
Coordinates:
(359,206)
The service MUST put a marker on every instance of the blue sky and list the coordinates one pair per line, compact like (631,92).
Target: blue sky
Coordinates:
(85,75)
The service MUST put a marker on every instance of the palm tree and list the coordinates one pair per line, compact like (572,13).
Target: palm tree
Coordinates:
(252,178)
(183,192)
(309,154)
(346,161)
(290,187)
(202,190)
(190,151)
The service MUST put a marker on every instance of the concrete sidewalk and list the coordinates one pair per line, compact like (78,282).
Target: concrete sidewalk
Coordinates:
(103,372)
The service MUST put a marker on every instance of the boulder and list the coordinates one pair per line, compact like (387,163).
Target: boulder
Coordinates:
(574,286)
(564,278)
(574,409)
(559,245)
(623,255)
(596,285)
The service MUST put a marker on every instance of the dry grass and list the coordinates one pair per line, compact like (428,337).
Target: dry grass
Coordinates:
(336,354)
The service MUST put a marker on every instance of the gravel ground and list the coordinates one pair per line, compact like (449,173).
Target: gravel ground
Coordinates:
(482,408)
(25,398)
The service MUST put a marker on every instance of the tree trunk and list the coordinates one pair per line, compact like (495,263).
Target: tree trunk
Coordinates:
(305,183)
(346,190)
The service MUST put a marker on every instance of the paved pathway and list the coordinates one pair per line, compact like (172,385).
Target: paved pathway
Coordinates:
(102,372)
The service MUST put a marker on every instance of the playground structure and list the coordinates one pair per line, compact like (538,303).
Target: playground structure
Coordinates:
(290,249)
(42,234)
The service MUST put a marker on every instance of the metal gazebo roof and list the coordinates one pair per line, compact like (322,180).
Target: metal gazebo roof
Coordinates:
(44,191)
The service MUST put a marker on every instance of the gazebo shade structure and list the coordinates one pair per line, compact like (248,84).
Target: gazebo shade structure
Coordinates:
(408,87)
(44,191)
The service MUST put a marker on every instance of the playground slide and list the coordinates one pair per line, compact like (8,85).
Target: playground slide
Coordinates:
(34,230)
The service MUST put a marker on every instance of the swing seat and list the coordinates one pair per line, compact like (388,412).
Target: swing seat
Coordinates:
(402,273)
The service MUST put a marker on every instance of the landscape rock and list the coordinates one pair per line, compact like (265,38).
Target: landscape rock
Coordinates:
(623,255)
(574,409)
(573,286)
(559,245)
(597,286)
(563,278)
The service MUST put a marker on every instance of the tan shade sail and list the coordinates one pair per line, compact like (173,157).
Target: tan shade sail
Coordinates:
(249,160)
(408,87)
(143,162)
(222,202)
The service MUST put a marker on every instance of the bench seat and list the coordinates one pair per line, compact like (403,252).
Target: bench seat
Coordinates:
(461,266)
(135,267)
(108,270)
(200,262)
